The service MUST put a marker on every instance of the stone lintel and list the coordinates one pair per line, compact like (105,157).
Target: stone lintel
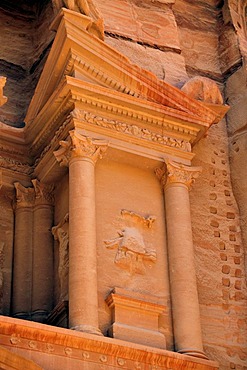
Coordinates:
(22,336)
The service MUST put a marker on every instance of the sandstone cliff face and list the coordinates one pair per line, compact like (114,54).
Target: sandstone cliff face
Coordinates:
(176,40)
(25,41)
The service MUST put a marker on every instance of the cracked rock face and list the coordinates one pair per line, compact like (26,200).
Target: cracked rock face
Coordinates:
(25,41)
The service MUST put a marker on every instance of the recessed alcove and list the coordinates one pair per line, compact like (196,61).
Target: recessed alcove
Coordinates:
(25,43)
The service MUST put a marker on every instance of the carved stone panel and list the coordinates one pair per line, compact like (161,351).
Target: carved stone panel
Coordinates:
(132,252)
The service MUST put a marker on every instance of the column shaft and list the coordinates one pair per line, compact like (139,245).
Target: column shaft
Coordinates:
(185,305)
(80,153)
(22,264)
(42,291)
(83,300)
(176,180)
(22,269)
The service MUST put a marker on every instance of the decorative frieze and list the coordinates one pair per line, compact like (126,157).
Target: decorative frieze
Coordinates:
(15,165)
(133,129)
(89,351)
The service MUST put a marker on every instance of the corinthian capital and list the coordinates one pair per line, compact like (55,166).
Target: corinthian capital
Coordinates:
(25,197)
(80,146)
(175,173)
(43,193)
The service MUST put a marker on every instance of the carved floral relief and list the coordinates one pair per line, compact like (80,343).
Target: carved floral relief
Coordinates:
(132,252)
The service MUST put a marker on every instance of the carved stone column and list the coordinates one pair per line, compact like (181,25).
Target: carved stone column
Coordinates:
(80,153)
(42,288)
(22,269)
(176,180)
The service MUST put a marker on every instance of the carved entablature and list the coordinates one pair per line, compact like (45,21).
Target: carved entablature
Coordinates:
(44,194)
(132,252)
(15,165)
(151,133)
(97,91)
(80,146)
(25,197)
(173,173)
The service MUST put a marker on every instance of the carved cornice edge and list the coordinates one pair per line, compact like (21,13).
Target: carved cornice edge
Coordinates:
(85,347)
(52,125)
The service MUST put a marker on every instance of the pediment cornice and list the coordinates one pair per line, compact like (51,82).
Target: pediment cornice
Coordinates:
(75,52)
(89,86)
(113,107)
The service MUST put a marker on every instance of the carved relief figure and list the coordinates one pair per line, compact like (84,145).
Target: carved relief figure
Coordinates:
(61,234)
(131,249)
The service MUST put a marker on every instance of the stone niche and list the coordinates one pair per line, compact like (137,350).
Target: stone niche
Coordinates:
(131,249)
(132,253)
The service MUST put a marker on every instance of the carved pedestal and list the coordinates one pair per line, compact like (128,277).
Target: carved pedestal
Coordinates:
(81,154)
(135,318)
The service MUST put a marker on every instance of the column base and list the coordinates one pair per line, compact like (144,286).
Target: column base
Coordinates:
(87,329)
(193,352)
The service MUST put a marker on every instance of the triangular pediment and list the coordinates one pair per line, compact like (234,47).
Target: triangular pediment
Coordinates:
(79,54)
